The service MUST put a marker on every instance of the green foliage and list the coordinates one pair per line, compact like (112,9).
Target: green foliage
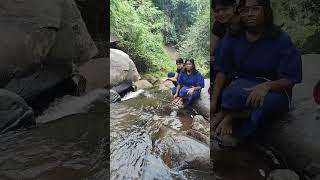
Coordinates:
(181,14)
(301,20)
(195,43)
(139,26)
(142,28)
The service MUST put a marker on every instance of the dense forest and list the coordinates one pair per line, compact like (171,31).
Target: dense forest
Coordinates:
(301,18)
(144,27)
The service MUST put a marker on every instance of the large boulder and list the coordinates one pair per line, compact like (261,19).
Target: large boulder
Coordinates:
(14,112)
(202,105)
(182,152)
(41,40)
(122,68)
(297,135)
(96,73)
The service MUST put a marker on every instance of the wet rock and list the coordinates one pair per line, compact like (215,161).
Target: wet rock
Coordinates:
(114,96)
(96,73)
(297,135)
(202,105)
(49,41)
(182,152)
(196,174)
(200,124)
(199,136)
(123,88)
(283,174)
(166,85)
(14,112)
(122,68)
(143,84)
(150,78)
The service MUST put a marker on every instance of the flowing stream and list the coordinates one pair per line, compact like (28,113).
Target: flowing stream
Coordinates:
(138,126)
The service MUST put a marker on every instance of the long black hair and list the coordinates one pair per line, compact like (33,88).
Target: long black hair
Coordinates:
(215,3)
(271,30)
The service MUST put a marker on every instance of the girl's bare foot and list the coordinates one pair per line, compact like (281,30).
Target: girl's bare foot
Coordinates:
(176,100)
(225,127)
(180,103)
(217,118)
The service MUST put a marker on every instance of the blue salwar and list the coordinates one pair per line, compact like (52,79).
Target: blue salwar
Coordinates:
(195,79)
(268,59)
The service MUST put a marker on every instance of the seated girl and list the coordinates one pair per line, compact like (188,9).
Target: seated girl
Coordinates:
(174,76)
(190,82)
(266,65)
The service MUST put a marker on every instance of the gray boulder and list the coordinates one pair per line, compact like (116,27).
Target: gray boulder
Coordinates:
(143,84)
(297,135)
(46,38)
(122,68)
(183,152)
(14,112)
(96,72)
(202,105)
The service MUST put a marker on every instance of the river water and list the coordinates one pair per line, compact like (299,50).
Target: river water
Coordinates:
(147,141)
(137,127)
(73,147)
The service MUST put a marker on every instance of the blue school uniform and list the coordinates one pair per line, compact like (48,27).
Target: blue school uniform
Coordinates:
(187,81)
(267,59)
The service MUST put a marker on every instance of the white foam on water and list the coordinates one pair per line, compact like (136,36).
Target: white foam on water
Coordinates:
(131,95)
(69,105)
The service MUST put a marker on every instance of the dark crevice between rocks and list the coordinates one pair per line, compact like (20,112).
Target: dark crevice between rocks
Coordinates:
(94,15)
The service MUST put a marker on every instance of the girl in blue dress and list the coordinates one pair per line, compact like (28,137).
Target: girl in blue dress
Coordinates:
(265,65)
(190,82)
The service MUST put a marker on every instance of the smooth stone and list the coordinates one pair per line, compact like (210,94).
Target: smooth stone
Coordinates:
(182,152)
(283,174)
(143,84)
(122,68)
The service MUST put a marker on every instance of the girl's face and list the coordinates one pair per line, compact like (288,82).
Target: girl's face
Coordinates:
(252,14)
(223,14)
(189,66)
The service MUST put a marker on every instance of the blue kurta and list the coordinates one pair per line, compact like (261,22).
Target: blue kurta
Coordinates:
(266,59)
(195,79)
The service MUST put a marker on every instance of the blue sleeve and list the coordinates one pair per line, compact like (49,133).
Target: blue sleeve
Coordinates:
(180,80)
(290,66)
(200,80)
(224,57)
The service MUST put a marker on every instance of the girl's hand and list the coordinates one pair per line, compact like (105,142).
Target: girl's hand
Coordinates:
(190,91)
(256,97)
